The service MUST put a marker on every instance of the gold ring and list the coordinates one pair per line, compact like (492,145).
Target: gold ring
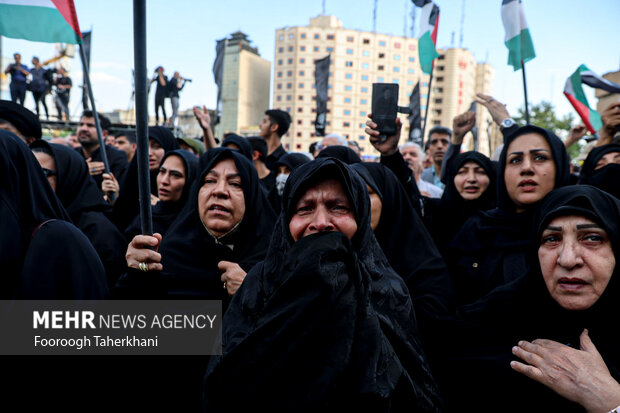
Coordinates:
(143,266)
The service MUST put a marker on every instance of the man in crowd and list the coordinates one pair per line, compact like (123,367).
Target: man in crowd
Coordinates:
(259,153)
(126,141)
(19,72)
(91,150)
(273,126)
(439,140)
(174,87)
(412,154)
(63,93)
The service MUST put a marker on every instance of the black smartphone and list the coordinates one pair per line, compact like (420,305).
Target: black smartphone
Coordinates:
(384,107)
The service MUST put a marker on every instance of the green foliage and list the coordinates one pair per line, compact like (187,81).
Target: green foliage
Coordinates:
(543,114)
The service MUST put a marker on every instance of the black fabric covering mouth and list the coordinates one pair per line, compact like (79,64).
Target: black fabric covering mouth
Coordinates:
(606,178)
(26,122)
(324,323)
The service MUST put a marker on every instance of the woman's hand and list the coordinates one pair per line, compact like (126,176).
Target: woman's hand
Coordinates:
(232,276)
(142,253)
(578,375)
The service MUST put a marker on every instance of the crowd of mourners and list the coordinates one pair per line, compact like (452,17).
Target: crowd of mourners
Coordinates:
(346,285)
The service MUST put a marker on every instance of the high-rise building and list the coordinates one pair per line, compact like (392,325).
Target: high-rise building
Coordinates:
(359,59)
(245,85)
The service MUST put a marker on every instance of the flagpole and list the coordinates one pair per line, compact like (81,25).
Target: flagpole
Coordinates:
(142,120)
(104,155)
(527,110)
(428,101)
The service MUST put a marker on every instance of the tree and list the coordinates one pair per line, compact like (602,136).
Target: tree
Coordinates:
(543,114)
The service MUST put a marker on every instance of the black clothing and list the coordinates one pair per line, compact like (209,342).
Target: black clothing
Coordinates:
(43,255)
(190,254)
(79,194)
(273,157)
(490,248)
(292,160)
(173,87)
(606,178)
(481,376)
(24,120)
(269,182)
(342,153)
(242,143)
(161,93)
(324,323)
(116,158)
(127,206)
(164,213)
(445,216)
(396,163)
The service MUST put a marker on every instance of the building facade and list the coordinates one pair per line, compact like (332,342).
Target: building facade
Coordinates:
(245,86)
(359,59)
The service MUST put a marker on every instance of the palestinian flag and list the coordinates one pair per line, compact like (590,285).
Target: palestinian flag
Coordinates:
(50,21)
(427,38)
(573,90)
(517,39)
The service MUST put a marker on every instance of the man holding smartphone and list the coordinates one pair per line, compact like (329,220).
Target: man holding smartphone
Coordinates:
(19,72)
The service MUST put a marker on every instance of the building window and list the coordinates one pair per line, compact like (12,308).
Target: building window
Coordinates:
(349,51)
(380,67)
(382,43)
(364,77)
(348,88)
(281,37)
(290,48)
(364,90)
(362,113)
(279,86)
(411,47)
(289,73)
(438,89)
(347,100)
(362,125)
(440,68)
(397,45)
(436,122)
(301,85)
(437,112)
(288,97)
(302,73)
(315,48)
(279,74)
(362,137)
(396,69)
(365,53)
(348,63)
(298,145)
(303,35)
(349,39)
(278,98)
(366,41)
(396,57)
(441,57)
(365,65)
(316,36)
(290,61)
(424,84)
(410,82)
(394,80)
(302,48)
(380,79)
(279,61)
(313,111)
(300,97)
(363,101)
(439,100)
(280,49)
(439,78)
(347,112)
(346,124)
(299,121)
(291,36)
(289,85)
(348,76)
(302,61)
(330,49)
(300,110)
(330,37)
(412,59)
(410,71)
(381,55)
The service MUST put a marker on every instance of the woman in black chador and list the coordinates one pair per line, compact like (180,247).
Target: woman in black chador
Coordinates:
(176,176)
(470,188)
(602,169)
(43,255)
(490,249)
(82,199)
(324,323)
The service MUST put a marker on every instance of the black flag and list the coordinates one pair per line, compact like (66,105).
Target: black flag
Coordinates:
(321,76)
(474,130)
(86,37)
(218,73)
(415,117)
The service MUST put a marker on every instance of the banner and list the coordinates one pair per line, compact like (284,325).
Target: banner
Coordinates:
(321,78)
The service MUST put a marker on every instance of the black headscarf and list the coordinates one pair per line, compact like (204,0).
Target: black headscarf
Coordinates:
(323,323)
(190,254)
(491,247)
(40,261)
(292,160)
(342,153)
(446,215)
(127,206)
(26,122)
(242,143)
(164,213)
(606,178)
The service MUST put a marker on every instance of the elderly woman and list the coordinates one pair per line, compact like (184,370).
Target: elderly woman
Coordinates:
(324,323)
(220,234)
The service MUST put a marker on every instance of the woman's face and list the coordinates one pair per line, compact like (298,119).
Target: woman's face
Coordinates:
(471,180)
(171,179)
(221,203)
(156,154)
(576,260)
(611,157)
(323,208)
(48,163)
(530,170)
(375,207)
